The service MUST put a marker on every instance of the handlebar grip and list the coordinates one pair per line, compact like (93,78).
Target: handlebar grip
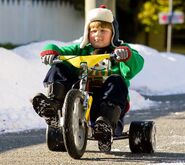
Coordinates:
(114,55)
(57,60)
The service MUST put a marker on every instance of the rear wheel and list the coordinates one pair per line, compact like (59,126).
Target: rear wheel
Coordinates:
(75,126)
(142,137)
(54,139)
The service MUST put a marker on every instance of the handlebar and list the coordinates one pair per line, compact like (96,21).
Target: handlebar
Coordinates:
(91,60)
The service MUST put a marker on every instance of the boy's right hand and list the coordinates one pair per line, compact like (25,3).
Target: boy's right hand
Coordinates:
(47,56)
(48,59)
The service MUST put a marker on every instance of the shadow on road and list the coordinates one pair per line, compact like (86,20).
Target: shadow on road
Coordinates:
(158,157)
(11,141)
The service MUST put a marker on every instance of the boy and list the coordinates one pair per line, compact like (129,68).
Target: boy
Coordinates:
(110,101)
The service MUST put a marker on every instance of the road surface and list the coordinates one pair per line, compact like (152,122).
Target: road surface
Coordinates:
(29,148)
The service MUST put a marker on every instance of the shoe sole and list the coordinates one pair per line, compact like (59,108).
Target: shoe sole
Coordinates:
(103,133)
(40,104)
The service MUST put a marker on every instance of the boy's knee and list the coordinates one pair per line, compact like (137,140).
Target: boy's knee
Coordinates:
(116,78)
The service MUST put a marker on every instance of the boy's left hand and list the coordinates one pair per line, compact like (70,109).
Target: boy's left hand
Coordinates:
(122,53)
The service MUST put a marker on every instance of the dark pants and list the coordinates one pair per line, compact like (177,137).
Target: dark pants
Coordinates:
(113,90)
(61,73)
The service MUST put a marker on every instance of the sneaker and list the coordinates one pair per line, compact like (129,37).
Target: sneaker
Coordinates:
(104,134)
(43,106)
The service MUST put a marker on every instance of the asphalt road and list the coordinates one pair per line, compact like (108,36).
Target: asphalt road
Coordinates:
(30,148)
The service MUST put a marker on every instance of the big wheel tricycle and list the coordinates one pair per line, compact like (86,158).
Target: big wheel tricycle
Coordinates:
(72,128)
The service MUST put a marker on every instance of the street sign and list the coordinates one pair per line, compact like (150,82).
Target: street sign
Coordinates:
(176,17)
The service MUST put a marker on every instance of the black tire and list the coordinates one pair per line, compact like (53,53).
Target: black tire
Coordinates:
(54,139)
(142,137)
(75,127)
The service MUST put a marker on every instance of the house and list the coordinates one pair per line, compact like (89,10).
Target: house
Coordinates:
(25,21)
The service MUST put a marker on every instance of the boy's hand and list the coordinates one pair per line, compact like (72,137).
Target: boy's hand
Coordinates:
(48,56)
(122,53)
(48,59)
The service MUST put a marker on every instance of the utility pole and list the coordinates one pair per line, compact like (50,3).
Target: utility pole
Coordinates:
(89,4)
(169,32)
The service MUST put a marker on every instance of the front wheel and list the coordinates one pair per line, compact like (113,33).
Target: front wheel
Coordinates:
(142,137)
(75,126)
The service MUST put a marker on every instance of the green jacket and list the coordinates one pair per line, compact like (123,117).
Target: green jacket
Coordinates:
(126,69)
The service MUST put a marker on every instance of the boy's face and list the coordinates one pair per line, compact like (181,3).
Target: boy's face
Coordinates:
(100,37)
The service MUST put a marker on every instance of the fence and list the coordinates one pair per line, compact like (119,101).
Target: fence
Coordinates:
(24,21)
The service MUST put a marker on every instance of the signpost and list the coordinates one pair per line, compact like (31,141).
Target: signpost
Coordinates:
(170,18)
